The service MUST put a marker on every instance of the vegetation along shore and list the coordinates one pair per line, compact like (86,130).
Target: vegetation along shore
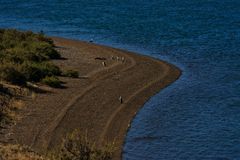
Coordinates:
(66,99)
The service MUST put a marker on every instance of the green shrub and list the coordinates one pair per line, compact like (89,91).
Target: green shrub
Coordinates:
(11,73)
(41,37)
(53,54)
(32,72)
(71,73)
(52,81)
(36,71)
(45,49)
(24,56)
(51,69)
(33,44)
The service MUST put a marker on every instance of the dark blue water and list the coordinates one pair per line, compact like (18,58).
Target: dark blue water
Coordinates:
(196,118)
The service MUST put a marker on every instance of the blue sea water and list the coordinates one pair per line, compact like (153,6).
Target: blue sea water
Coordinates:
(198,116)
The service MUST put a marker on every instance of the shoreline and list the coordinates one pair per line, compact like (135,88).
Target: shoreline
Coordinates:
(91,103)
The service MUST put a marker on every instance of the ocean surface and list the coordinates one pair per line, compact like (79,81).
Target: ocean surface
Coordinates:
(198,116)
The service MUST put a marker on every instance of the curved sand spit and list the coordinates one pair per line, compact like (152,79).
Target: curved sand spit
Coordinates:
(91,103)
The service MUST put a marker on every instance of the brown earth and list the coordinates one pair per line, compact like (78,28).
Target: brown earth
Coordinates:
(91,102)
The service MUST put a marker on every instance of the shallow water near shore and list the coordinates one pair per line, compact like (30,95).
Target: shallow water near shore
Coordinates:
(198,116)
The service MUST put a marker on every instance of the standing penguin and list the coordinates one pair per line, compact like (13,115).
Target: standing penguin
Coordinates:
(104,64)
(120,99)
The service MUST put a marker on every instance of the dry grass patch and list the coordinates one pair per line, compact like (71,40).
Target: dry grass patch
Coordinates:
(77,146)
(17,152)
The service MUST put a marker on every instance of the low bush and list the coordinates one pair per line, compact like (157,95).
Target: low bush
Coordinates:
(52,81)
(78,146)
(74,147)
(45,49)
(71,73)
(10,73)
(50,69)
(24,56)
(32,72)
